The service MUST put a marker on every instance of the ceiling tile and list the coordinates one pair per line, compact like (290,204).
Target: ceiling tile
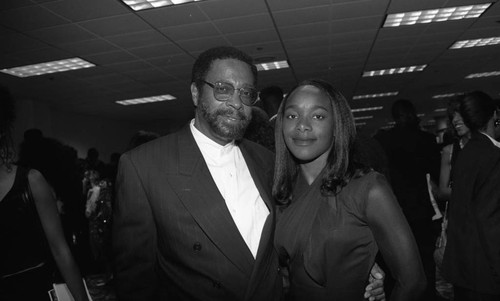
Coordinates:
(29,18)
(302,16)
(190,31)
(80,10)
(356,9)
(155,51)
(9,4)
(297,4)
(14,42)
(203,43)
(355,24)
(138,39)
(320,29)
(223,9)
(255,37)
(174,15)
(109,58)
(122,24)
(62,34)
(247,23)
(88,47)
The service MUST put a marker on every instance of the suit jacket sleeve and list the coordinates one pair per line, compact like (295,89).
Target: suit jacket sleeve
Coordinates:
(134,236)
(487,214)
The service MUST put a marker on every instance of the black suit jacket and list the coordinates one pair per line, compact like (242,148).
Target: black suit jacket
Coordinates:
(173,236)
(472,255)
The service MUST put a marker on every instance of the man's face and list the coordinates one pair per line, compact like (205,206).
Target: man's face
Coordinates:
(223,121)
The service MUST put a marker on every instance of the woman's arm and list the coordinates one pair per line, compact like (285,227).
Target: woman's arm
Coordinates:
(49,217)
(395,241)
(444,175)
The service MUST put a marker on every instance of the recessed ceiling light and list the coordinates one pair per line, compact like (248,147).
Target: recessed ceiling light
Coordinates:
(398,70)
(420,115)
(476,43)
(446,95)
(440,110)
(366,109)
(375,95)
(435,15)
(363,117)
(147,4)
(137,101)
(48,67)
(272,65)
(484,74)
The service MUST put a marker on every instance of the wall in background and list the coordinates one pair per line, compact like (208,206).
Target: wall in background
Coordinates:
(76,130)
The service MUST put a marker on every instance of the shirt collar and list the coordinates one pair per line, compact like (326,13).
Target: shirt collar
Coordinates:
(496,143)
(208,144)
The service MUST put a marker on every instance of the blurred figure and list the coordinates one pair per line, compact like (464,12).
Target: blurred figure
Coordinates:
(413,153)
(271,98)
(92,161)
(30,228)
(260,129)
(98,210)
(140,138)
(497,121)
(450,152)
(472,255)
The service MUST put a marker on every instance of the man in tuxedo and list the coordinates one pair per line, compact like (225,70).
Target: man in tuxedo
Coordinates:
(194,218)
(472,256)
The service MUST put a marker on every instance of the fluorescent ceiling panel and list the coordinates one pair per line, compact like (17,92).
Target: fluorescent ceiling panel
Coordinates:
(375,95)
(272,65)
(147,4)
(48,67)
(391,71)
(367,109)
(137,101)
(476,43)
(436,15)
(363,117)
(446,95)
(484,74)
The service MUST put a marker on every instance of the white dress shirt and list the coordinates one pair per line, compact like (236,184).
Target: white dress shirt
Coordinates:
(232,177)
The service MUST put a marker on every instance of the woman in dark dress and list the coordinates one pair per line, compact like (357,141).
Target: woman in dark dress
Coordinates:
(335,214)
(30,228)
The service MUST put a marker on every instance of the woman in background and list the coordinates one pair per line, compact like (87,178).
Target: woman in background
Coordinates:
(335,214)
(30,228)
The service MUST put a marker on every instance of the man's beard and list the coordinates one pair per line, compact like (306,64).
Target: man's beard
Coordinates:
(222,128)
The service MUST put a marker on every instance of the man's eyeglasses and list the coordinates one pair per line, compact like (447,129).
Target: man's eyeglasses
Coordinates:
(224,92)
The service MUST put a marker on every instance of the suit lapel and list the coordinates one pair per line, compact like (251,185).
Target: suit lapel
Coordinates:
(199,194)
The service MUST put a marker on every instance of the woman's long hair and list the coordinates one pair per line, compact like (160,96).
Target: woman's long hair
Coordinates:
(339,167)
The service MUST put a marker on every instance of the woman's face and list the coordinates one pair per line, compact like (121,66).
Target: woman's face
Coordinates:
(459,125)
(308,124)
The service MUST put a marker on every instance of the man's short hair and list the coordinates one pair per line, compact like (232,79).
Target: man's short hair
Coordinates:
(205,59)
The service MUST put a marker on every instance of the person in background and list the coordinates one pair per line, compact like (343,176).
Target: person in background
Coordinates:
(194,216)
(336,214)
(412,154)
(472,256)
(270,98)
(30,228)
(450,152)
